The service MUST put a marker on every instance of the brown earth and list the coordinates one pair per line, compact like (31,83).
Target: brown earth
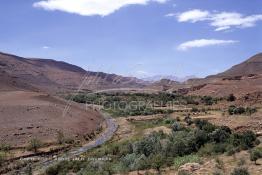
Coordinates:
(25,115)
(223,87)
(240,80)
(56,76)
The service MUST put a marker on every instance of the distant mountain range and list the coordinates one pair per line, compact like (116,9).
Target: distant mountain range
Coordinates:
(169,77)
(55,76)
(241,79)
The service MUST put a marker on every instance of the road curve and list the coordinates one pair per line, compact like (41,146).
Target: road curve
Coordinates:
(108,133)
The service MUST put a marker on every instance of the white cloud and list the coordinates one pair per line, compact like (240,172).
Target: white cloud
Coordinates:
(220,20)
(203,43)
(90,7)
(225,20)
(45,47)
(170,15)
(193,16)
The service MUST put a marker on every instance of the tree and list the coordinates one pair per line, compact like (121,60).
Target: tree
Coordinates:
(231,110)
(60,137)
(255,154)
(207,100)
(201,138)
(248,138)
(219,135)
(157,161)
(34,145)
(231,97)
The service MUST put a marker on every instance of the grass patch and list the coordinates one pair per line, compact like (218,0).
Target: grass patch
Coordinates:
(192,158)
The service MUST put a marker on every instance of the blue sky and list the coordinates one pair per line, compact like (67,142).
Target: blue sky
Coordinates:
(135,37)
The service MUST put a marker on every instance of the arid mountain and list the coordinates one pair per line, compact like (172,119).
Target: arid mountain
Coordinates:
(25,115)
(251,66)
(244,78)
(163,84)
(169,77)
(27,112)
(54,76)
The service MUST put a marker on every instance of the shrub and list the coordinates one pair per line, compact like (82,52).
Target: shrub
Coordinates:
(34,145)
(230,150)
(60,137)
(208,100)
(176,127)
(168,121)
(241,162)
(2,158)
(240,171)
(233,110)
(219,135)
(217,172)
(220,164)
(231,97)
(178,161)
(206,150)
(194,109)
(243,140)
(219,148)
(250,110)
(200,138)
(157,161)
(128,159)
(205,125)
(255,154)
(148,145)
(183,173)
(188,120)
(5,147)
(248,138)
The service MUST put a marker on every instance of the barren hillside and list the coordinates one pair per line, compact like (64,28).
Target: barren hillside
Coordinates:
(55,76)
(25,115)
(244,78)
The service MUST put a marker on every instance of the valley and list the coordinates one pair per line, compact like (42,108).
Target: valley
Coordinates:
(51,110)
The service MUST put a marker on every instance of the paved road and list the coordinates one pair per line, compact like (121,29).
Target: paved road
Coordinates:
(101,139)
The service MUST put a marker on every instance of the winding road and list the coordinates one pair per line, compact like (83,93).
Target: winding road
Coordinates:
(108,133)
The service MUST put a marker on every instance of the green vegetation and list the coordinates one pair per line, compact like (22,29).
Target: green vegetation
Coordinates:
(255,154)
(2,158)
(60,138)
(231,98)
(125,104)
(192,158)
(208,100)
(5,147)
(240,171)
(34,145)
(186,143)
(233,110)
(158,150)
(220,164)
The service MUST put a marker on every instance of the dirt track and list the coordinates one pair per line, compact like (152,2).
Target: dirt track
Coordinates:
(111,127)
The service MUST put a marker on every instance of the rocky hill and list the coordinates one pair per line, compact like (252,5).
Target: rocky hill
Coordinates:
(251,66)
(53,76)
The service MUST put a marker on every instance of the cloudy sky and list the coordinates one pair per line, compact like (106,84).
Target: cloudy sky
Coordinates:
(135,37)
